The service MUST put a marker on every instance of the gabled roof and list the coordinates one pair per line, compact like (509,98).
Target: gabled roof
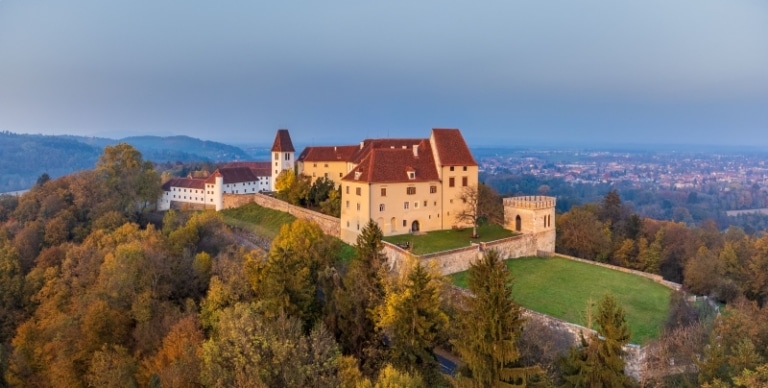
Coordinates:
(392,164)
(233,175)
(328,153)
(452,150)
(258,168)
(372,144)
(186,183)
(282,142)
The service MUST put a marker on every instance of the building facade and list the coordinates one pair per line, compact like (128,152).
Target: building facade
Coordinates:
(238,178)
(405,185)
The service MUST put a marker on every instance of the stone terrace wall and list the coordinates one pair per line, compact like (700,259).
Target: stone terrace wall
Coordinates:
(655,278)
(457,260)
(330,225)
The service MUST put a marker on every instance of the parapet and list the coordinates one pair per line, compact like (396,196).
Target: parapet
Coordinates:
(532,202)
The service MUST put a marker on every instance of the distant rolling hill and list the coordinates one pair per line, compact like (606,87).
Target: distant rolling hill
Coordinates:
(23,157)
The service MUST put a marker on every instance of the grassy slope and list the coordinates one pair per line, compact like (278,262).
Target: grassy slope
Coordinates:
(266,223)
(563,288)
(256,219)
(442,240)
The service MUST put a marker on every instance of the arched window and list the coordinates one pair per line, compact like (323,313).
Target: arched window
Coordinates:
(518,223)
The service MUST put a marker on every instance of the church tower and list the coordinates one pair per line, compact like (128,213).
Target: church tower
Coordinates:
(282,155)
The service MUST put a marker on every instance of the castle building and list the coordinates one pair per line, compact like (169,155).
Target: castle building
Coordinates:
(237,178)
(405,185)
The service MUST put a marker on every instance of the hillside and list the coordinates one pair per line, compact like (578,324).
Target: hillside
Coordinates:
(24,157)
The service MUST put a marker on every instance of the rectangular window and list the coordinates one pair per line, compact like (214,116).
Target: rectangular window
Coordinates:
(451,168)
(325,175)
(383,191)
(405,223)
(464,181)
(425,203)
(464,168)
(411,190)
(381,207)
(415,205)
(340,175)
(326,165)
(405,205)
(347,189)
(358,191)
(277,156)
(347,204)
(314,164)
(358,206)
(287,156)
(432,189)
(451,182)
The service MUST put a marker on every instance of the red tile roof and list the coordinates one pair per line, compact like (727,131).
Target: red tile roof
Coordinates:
(392,164)
(328,153)
(187,183)
(258,168)
(452,150)
(233,175)
(282,142)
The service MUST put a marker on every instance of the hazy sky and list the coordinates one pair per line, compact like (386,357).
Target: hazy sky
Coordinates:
(506,72)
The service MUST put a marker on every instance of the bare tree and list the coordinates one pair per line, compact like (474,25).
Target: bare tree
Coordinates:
(481,202)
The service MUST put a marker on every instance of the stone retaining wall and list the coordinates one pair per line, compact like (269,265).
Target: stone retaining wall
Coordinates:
(329,225)
(457,260)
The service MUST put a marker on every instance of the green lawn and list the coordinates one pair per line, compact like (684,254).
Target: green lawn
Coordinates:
(258,220)
(563,288)
(443,240)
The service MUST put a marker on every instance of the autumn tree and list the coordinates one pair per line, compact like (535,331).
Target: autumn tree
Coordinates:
(292,188)
(581,234)
(247,349)
(738,342)
(490,327)
(178,362)
(132,181)
(599,361)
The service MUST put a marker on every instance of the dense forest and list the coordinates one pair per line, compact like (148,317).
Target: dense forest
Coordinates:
(94,294)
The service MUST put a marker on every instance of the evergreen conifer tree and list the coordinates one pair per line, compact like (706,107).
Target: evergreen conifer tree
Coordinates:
(361,294)
(413,319)
(490,327)
(599,362)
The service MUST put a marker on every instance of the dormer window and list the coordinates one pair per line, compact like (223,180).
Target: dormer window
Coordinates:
(411,174)
(357,175)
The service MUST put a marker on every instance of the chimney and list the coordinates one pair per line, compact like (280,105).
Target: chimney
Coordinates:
(416,150)
(361,144)
(334,148)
